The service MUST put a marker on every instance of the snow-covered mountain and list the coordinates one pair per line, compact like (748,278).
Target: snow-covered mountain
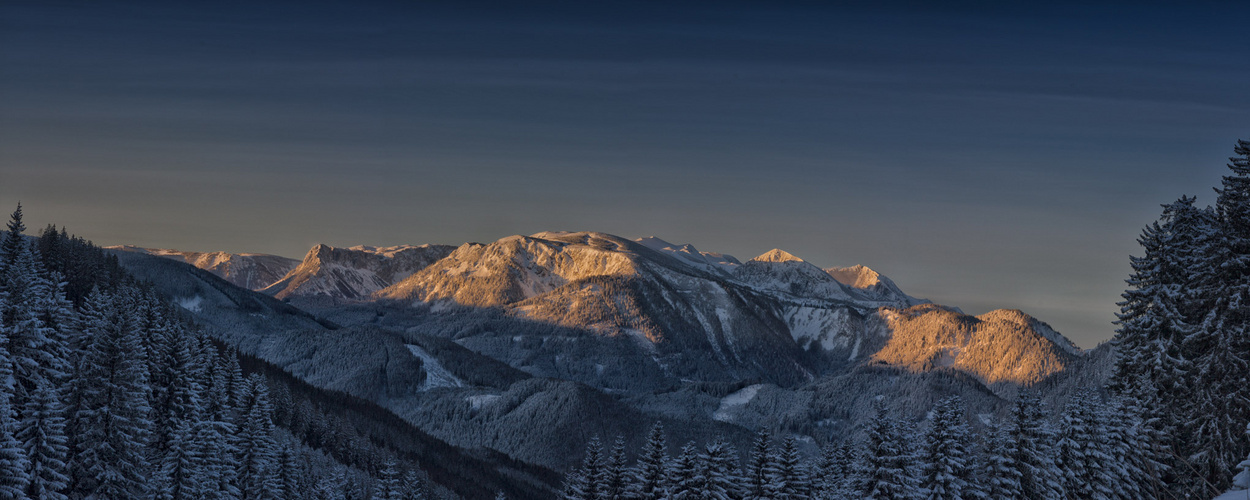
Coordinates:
(1002,346)
(351,273)
(658,313)
(478,344)
(252,271)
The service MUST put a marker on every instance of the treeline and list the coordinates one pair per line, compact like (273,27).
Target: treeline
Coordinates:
(107,393)
(1096,451)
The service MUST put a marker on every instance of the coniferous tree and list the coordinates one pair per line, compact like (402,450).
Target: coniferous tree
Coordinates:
(414,487)
(256,448)
(614,472)
(180,474)
(886,469)
(718,471)
(12,239)
(390,485)
(586,483)
(789,479)
(113,419)
(13,464)
(761,462)
(1000,474)
(947,472)
(289,474)
(1031,439)
(42,434)
(1080,455)
(684,480)
(37,351)
(13,476)
(649,475)
(1126,465)
(835,475)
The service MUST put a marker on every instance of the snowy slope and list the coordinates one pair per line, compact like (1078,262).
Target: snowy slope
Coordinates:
(355,272)
(710,261)
(664,312)
(872,285)
(252,271)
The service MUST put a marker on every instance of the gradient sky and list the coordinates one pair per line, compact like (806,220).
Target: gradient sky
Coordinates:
(984,156)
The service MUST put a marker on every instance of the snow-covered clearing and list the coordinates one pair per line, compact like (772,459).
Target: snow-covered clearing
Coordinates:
(435,374)
(733,401)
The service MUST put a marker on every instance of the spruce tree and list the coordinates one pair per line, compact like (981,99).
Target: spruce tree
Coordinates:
(761,461)
(1031,438)
(113,420)
(12,239)
(586,482)
(649,475)
(886,469)
(947,472)
(684,480)
(1000,474)
(614,472)
(414,486)
(390,483)
(257,450)
(289,475)
(1080,452)
(789,478)
(13,464)
(42,434)
(1242,479)
(835,474)
(13,476)
(718,471)
(180,474)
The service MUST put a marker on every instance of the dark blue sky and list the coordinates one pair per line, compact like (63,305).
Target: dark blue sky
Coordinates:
(984,155)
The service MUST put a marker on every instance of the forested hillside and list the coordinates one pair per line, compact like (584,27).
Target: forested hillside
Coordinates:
(110,392)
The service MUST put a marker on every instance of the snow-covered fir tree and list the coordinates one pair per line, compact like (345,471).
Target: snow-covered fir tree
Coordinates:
(1031,442)
(390,482)
(113,421)
(42,434)
(759,465)
(1081,452)
(1000,475)
(835,473)
(717,471)
(887,470)
(946,468)
(649,475)
(586,482)
(257,451)
(790,479)
(615,472)
(684,480)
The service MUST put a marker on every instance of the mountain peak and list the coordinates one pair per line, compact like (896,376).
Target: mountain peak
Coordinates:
(777,255)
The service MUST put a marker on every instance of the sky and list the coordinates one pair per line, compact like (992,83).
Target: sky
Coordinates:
(982,155)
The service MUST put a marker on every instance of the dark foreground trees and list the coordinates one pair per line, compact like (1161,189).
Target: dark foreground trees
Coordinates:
(107,392)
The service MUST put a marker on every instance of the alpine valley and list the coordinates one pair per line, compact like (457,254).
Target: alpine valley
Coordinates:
(530,346)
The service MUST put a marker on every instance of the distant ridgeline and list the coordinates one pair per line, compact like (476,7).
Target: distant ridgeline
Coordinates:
(107,391)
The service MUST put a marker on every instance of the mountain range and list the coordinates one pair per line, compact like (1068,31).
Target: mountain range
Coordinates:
(531,345)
